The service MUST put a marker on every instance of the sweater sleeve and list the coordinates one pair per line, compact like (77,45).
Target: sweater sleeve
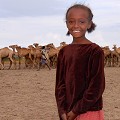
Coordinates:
(95,87)
(60,89)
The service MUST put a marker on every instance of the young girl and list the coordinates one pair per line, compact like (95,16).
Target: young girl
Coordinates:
(80,79)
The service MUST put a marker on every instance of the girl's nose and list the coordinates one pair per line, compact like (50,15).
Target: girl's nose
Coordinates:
(77,24)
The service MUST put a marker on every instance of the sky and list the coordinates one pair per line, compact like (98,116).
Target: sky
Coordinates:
(24,22)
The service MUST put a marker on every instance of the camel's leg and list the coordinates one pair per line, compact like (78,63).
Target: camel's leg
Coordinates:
(14,61)
(35,61)
(39,64)
(19,62)
(51,62)
(119,61)
(55,62)
(1,63)
(31,60)
(105,62)
(10,64)
(11,61)
(15,64)
(116,61)
(26,65)
(27,61)
(113,61)
(109,61)
(30,56)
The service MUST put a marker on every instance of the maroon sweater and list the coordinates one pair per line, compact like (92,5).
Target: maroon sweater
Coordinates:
(80,79)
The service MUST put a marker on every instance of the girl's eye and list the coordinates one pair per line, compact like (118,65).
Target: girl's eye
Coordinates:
(71,22)
(82,22)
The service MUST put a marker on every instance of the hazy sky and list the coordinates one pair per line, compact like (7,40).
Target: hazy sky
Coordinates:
(25,22)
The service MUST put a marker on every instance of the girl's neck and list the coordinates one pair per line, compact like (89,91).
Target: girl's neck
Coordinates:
(81,41)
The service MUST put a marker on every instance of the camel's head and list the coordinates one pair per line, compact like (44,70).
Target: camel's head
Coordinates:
(107,47)
(51,45)
(62,43)
(30,46)
(18,46)
(36,44)
(114,47)
(12,46)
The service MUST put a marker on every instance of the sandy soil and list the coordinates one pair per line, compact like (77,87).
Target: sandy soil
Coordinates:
(28,94)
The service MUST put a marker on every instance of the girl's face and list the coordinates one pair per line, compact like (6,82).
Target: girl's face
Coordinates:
(78,22)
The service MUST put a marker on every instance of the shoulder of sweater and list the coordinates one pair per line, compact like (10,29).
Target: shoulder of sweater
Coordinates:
(96,48)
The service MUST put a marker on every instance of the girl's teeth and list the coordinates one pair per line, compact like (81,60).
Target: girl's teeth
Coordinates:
(76,31)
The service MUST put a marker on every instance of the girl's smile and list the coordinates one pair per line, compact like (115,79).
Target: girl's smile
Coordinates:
(76,31)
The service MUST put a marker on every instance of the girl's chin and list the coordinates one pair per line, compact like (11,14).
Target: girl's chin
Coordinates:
(76,36)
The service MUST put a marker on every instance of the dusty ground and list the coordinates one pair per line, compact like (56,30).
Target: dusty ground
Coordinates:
(29,94)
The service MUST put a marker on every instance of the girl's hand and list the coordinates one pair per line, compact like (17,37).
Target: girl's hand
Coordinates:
(71,116)
(64,117)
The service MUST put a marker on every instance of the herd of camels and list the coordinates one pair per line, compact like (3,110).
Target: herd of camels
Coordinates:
(32,55)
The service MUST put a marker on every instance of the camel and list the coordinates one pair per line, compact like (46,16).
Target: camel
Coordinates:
(62,44)
(107,55)
(36,52)
(6,53)
(52,50)
(37,55)
(53,53)
(22,52)
(32,54)
(117,52)
(15,53)
(115,58)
